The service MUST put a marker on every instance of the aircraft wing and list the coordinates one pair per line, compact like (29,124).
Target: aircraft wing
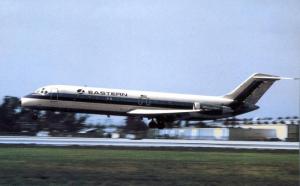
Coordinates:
(154,112)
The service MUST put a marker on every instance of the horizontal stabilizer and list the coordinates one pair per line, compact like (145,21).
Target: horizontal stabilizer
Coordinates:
(160,112)
(274,77)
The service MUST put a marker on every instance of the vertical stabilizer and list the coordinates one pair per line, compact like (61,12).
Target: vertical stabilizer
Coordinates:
(251,90)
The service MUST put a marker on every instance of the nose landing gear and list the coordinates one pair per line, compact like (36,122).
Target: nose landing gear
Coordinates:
(35,115)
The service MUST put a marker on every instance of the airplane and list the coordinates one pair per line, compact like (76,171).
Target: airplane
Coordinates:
(159,107)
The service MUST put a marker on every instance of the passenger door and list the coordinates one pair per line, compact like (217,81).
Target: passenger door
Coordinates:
(54,95)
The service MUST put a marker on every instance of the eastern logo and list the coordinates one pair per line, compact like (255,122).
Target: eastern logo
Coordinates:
(80,91)
(102,93)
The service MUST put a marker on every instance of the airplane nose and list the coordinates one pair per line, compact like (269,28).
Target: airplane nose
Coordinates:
(25,102)
(22,101)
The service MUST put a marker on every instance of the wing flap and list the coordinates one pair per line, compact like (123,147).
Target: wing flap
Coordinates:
(160,112)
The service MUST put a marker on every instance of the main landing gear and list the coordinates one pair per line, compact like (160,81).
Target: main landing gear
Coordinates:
(152,124)
(156,124)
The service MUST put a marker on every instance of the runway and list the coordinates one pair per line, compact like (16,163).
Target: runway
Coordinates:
(71,141)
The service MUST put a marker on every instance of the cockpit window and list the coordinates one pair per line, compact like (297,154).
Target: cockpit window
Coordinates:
(41,91)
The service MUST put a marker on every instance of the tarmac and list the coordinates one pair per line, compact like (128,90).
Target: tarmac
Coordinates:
(79,141)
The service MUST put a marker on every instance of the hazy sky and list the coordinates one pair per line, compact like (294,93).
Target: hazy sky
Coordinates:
(195,46)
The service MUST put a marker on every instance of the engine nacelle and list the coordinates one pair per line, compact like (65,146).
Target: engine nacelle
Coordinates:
(213,108)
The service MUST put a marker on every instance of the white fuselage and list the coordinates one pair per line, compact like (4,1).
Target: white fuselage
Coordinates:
(159,107)
(115,101)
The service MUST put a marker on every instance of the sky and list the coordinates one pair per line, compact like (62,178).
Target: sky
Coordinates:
(204,47)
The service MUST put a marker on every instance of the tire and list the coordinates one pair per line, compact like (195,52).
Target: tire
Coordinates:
(161,125)
(152,125)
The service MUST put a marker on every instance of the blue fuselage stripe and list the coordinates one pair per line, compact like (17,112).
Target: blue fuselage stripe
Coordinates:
(113,100)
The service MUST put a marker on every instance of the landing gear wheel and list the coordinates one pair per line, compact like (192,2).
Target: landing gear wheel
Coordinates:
(152,124)
(160,125)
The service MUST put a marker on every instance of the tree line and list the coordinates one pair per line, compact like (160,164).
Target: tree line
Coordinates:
(14,118)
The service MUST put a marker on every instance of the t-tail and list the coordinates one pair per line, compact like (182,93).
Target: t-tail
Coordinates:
(247,94)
